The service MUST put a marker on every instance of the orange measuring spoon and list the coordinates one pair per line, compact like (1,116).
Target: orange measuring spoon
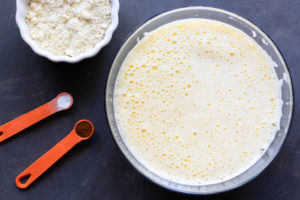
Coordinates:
(83,130)
(62,102)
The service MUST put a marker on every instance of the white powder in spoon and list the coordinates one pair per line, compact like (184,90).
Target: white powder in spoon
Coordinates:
(64,101)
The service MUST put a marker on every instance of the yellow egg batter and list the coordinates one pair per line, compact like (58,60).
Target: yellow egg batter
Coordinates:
(197,101)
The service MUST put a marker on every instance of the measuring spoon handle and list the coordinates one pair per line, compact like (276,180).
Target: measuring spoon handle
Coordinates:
(19,124)
(36,169)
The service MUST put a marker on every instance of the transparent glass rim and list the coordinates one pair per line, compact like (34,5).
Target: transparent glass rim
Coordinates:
(236,181)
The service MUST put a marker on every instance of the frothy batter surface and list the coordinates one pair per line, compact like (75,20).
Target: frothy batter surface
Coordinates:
(197,101)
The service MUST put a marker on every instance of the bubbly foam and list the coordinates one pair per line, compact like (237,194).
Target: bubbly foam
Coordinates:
(197,101)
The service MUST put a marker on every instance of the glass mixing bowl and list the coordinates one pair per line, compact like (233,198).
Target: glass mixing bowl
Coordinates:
(262,39)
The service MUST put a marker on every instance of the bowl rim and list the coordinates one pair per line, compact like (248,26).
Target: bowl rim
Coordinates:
(21,8)
(139,166)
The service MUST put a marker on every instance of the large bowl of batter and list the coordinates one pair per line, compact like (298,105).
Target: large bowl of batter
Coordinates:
(211,182)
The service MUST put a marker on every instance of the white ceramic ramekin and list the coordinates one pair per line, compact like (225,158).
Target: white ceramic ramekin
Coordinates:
(22,6)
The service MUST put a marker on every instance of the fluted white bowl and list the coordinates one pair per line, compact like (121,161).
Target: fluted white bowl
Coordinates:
(22,6)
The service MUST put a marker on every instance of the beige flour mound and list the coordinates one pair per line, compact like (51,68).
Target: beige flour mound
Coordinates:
(68,27)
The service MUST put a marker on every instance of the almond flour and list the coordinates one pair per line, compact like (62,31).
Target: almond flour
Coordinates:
(68,27)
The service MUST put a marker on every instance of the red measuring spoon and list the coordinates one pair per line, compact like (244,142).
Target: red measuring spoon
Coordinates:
(83,130)
(62,102)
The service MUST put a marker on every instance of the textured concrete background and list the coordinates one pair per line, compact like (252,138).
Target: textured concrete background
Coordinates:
(97,169)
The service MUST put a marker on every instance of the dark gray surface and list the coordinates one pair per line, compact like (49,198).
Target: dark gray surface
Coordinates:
(96,169)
